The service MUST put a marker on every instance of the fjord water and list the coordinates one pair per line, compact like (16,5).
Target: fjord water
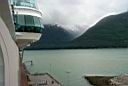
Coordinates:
(69,66)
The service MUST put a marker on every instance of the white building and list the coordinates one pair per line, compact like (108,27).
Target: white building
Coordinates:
(43,80)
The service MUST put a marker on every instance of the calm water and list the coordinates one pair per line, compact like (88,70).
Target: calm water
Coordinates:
(68,66)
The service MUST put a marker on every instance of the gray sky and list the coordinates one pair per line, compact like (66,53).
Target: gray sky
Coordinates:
(79,12)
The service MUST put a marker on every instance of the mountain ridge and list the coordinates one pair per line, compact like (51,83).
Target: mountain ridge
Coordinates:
(109,32)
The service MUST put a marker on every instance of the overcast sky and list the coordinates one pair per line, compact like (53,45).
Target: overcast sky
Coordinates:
(79,12)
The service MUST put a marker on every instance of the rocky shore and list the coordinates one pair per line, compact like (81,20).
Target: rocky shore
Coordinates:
(121,80)
(99,80)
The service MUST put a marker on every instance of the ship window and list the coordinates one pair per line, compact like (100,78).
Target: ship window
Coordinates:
(41,23)
(20,19)
(37,21)
(1,69)
(27,23)
(26,3)
(29,20)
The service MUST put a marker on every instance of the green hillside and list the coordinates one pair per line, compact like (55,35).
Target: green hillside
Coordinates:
(52,37)
(111,31)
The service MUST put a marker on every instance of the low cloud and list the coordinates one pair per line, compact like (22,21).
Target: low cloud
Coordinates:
(79,12)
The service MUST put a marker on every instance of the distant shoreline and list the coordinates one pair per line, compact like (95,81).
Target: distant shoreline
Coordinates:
(75,48)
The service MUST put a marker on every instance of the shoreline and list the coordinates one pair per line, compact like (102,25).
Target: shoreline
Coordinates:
(99,80)
(73,48)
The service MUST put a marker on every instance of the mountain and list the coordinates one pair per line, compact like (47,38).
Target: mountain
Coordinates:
(75,30)
(52,36)
(111,31)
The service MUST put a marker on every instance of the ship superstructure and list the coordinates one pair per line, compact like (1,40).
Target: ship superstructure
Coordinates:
(27,20)
(20,25)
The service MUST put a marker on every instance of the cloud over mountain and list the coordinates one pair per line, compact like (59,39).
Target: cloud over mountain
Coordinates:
(79,12)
